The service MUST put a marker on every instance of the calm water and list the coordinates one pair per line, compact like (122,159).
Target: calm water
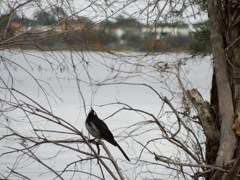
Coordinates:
(69,83)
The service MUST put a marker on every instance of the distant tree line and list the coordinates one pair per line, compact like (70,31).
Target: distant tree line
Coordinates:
(91,38)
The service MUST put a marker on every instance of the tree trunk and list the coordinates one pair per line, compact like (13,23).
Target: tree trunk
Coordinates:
(224,20)
(232,21)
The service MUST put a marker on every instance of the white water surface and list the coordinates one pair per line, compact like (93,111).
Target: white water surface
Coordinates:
(55,73)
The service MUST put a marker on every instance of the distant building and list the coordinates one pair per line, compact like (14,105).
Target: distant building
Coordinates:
(66,27)
(39,28)
(168,31)
(95,27)
(18,28)
(118,32)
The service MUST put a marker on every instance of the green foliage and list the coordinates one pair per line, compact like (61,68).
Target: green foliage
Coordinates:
(59,12)
(107,24)
(85,20)
(127,22)
(16,18)
(44,18)
(202,44)
(121,22)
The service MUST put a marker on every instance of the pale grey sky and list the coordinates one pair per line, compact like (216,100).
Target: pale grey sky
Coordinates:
(98,10)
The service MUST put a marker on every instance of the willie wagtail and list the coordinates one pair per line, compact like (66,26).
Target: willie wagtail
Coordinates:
(98,129)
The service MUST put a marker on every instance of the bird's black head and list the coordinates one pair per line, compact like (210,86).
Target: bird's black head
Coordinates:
(92,113)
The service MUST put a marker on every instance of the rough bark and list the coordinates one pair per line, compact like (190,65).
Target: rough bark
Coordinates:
(232,21)
(233,174)
(225,102)
(233,48)
(206,116)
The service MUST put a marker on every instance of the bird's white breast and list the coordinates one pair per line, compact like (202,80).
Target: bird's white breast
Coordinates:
(93,130)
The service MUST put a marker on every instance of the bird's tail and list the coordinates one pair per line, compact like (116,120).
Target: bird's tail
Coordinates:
(123,152)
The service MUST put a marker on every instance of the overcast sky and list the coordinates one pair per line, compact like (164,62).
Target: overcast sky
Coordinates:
(98,10)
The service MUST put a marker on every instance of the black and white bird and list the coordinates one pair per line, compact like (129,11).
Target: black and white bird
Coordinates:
(98,129)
